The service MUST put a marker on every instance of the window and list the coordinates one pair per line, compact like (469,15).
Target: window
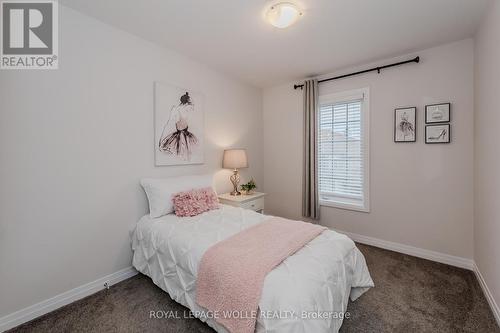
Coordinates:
(343,150)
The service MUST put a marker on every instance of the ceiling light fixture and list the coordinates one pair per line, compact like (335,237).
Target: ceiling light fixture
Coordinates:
(283,14)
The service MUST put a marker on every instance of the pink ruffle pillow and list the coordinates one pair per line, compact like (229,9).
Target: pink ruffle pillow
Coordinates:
(195,202)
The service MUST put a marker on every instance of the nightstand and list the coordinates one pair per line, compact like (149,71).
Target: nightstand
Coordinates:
(253,201)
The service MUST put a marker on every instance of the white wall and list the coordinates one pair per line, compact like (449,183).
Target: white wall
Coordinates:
(74,143)
(421,195)
(487,153)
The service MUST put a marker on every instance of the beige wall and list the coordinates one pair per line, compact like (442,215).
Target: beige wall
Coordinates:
(65,170)
(487,151)
(74,143)
(421,195)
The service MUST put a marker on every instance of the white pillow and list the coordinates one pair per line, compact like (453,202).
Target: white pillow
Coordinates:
(160,191)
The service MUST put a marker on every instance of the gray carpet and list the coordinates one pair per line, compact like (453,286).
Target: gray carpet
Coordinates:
(411,295)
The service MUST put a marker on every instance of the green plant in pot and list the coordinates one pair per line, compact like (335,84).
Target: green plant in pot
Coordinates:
(248,187)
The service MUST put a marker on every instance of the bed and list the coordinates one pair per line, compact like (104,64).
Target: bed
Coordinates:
(307,292)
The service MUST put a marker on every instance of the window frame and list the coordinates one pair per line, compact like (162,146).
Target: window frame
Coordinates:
(343,202)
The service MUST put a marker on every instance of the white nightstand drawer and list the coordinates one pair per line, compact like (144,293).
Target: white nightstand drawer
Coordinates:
(257,204)
(254,201)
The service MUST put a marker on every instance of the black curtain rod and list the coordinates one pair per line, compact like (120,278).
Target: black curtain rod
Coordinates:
(378,69)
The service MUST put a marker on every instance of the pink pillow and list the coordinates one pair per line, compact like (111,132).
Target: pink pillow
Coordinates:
(194,202)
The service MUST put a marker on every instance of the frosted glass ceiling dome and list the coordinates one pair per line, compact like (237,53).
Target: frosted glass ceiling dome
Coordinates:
(283,14)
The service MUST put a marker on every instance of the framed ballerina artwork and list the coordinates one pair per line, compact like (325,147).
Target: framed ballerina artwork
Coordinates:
(405,125)
(178,125)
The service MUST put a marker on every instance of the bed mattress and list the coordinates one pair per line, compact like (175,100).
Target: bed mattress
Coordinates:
(308,292)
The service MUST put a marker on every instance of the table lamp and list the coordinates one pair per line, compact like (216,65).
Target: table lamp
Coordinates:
(235,159)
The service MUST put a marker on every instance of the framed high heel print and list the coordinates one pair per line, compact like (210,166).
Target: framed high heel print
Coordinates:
(438,133)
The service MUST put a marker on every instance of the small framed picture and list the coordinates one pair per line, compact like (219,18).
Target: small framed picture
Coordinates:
(438,133)
(405,125)
(438,113)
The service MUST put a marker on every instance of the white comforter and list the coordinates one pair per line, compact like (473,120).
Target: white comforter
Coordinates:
(308,292)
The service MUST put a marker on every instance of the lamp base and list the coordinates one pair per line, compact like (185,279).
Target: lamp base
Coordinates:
(235,179)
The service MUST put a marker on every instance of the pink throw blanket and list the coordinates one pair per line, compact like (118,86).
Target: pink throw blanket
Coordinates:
(232,272)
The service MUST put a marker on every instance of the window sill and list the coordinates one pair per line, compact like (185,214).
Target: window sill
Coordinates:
(345,205)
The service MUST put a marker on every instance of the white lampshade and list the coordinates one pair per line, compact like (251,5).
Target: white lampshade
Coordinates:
(235,159)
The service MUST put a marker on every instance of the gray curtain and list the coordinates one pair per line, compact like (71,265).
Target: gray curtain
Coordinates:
(310,193)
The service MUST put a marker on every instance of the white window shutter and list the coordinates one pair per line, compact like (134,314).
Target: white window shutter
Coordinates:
(341,151)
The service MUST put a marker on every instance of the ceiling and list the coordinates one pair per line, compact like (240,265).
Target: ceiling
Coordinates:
(232,36)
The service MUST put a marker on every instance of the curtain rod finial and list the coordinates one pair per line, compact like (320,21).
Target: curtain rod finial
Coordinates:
(296,86)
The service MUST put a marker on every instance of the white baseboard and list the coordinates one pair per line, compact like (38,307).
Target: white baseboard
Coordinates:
(413,251)
(51,304)
(434,256)
(489,297)
(39,309)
